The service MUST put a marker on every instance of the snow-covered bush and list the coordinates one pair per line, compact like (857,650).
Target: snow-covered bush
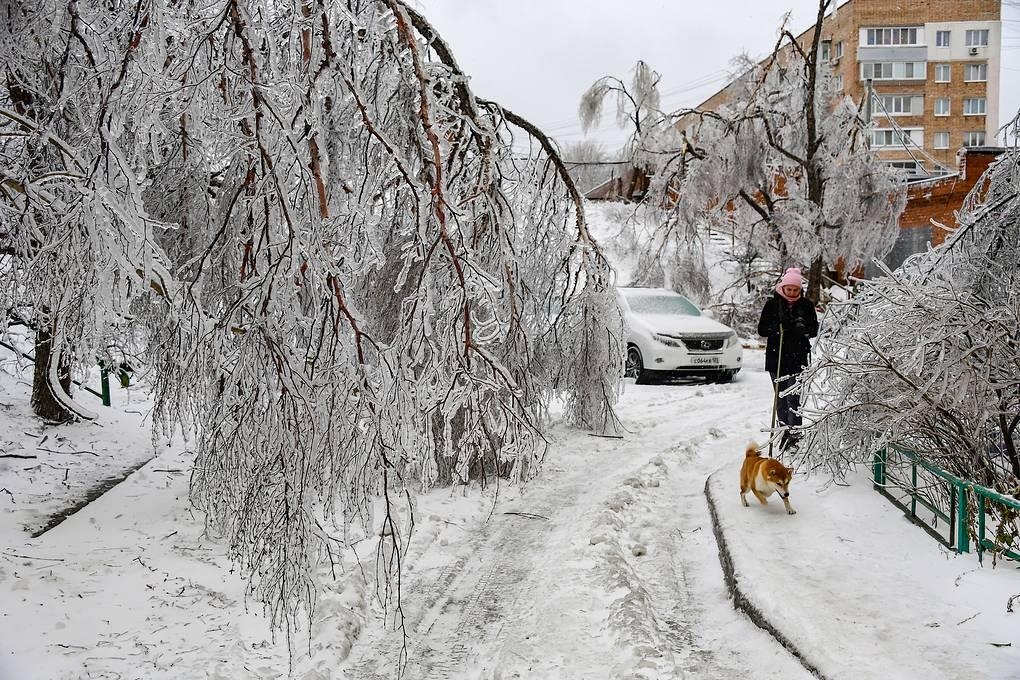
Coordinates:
(928,356)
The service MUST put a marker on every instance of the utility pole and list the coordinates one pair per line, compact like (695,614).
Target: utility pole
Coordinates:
(870,88)
(868,97)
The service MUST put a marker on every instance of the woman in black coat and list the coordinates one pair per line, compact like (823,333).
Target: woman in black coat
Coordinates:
(788,321)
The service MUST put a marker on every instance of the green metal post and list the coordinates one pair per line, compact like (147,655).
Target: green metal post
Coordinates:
(104,380)
(952,521)
(957,520)
(981,527)
(913,489)
(962,539)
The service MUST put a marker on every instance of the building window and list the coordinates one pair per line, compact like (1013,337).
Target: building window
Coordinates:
(837,81)
(891,36)
(824,50)
(942,73)
(974,73)
(977,38)
(941,38)
(974,106)
(902,105)
(899,137)
(893,70)
(839,50)
(909,166)
(942,106)
(941,140)
(973,138)
(877,71)
(884,137)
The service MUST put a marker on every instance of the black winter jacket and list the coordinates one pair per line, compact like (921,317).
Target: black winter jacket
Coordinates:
(799,322)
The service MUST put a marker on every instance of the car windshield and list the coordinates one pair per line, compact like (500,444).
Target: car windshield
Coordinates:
(662,304)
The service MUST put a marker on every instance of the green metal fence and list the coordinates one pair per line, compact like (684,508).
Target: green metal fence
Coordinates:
(962,506)
(104,386)
(123,374)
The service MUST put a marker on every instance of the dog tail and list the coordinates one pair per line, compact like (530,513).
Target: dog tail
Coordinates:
(752,450)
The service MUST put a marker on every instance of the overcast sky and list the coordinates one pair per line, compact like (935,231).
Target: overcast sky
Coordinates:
(536,57)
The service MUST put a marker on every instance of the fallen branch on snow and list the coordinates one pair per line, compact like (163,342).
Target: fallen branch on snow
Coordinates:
(69,453)
(29,557)
(527,515)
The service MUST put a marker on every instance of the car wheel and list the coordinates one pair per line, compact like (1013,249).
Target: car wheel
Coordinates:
(635,367)
(722,377)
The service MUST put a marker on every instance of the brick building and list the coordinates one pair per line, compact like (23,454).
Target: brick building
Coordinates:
(937,200)
(934,66)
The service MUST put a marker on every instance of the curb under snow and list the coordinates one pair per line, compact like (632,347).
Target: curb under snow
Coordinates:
(741,601)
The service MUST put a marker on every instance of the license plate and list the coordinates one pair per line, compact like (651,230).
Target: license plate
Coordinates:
(704,360)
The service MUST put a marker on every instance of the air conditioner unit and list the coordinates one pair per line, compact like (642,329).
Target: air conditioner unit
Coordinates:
(973,51)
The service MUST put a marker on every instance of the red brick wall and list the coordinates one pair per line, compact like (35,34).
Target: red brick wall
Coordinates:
(940,200)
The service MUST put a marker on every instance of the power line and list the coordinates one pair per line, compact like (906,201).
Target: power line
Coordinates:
(585,163)
(902,135)
(573,124)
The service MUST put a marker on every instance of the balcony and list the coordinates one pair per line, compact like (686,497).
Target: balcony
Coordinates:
(892,53)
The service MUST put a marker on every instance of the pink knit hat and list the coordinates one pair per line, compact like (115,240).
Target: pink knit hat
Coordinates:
(791,277)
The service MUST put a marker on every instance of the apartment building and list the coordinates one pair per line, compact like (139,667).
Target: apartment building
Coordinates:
(934,67)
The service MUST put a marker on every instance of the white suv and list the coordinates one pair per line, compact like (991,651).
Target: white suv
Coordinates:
(667,336)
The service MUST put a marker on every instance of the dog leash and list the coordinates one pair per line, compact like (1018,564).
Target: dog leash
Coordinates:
(775,389)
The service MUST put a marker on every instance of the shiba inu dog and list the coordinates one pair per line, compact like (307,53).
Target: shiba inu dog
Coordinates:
(763,476)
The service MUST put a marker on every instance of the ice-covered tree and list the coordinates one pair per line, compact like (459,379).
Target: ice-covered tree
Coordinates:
(589,162)
(786,167)
(928,356)
(347,286)
(637,110)
(637,104)
(782,166)
(75,239)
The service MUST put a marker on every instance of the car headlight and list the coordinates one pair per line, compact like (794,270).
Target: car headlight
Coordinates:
(732,340)
(668,340)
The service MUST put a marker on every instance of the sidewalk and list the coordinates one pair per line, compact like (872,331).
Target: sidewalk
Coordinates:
(900,606)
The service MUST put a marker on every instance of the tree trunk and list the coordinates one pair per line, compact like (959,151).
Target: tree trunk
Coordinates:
(814,287)
(1009,447)
(44,404)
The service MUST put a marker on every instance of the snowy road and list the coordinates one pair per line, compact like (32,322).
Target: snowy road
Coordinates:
(605,566)
(610,570)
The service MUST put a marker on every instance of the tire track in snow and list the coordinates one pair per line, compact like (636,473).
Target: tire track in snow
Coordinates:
(481,622)
(465,610)
(708,638)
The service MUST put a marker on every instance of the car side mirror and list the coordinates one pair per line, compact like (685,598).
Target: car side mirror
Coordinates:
(708,313)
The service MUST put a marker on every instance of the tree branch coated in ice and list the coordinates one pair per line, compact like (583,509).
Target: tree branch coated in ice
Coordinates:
(344,282)
(927,357)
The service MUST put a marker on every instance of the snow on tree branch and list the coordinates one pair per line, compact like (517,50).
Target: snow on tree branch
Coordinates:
(363,291)
(780,167)
(927,357)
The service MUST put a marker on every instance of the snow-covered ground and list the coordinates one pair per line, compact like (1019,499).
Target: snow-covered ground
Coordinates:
(606,566)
